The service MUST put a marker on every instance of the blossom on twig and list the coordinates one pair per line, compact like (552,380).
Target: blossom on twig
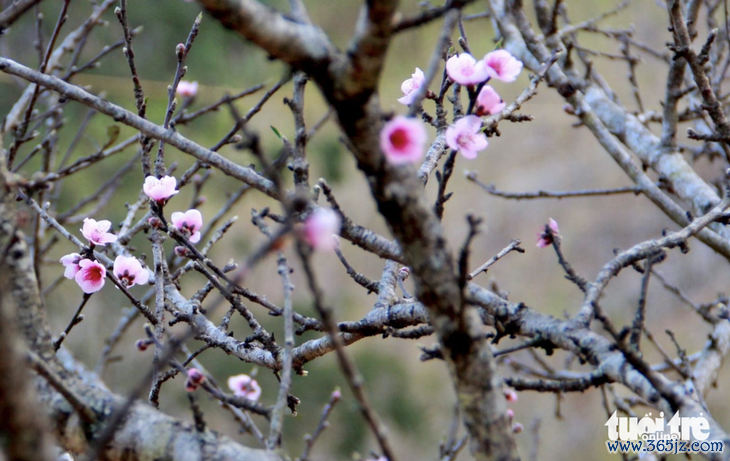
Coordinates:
(410,87)
(129,271)
(403,140)
(545,238)
(71,262)
(161,189)
(466,136)
(244,386)
(187,89)
(488,102)
(189,223)
(194,380)
(91,276)
(465,70)
(319,228)
(500,64)
(96,231)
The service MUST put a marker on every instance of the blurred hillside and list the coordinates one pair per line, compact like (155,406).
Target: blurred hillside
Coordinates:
(415,398)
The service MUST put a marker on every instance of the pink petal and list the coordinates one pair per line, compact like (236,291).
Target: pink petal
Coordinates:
(319,228)
(469,124)
(502,65)
(489,102)
(463,69)
(71,262)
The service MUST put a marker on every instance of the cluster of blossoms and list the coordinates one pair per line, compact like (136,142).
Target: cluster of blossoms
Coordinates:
(403,139)
(511,396)
(90,275)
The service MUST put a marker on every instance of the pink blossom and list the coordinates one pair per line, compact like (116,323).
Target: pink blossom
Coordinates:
(244,386)
(319,228)
(187,89)
(195,379)
(545,239)
(489,102)
(189,223)
(96,231)
(410,87)
(500,64)
(71,261)
(403,140)
(465,70)
(91,276)
(466,137)
(160,190)
(129,271)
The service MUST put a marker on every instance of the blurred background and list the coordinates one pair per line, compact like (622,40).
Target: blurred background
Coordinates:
(415,398)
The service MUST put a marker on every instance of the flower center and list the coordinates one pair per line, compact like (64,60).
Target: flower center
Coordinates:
(126,278)
(399,138)
(92,274)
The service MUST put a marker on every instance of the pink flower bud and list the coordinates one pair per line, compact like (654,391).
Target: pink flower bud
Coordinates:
(510,394)
(546,238)
(403,140)
(336,395)
(142,344)
(195,376)
(517,428)
(410,87)
(155,222)
(179,50)
(510,413)
(182,251)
